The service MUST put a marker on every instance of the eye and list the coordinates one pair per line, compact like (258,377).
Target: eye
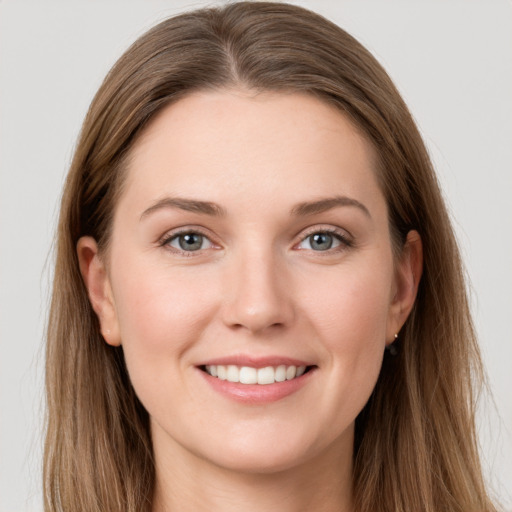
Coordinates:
(322,241)
(189,242)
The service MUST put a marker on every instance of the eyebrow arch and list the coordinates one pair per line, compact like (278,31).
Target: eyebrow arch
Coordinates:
(189,205)
(322,205)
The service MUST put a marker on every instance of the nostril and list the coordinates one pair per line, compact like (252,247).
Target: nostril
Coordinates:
(256,325)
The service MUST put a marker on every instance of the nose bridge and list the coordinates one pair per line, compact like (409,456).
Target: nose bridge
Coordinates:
(257,291)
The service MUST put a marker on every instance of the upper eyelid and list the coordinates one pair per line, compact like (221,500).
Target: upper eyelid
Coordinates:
(342,233)
(172,233)
(163,242)
(345,239)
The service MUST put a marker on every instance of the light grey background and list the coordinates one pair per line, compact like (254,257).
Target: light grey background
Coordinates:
(450,59)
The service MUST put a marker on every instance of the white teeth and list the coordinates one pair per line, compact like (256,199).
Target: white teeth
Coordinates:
(232,373)
(249,375)
(280,373)
(266,375)
(221,372)
(290,372)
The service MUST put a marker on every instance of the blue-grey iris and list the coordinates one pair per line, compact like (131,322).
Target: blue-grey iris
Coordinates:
(321,241)
(190,241)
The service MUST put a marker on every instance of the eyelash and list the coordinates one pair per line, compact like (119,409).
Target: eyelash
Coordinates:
(168,237)
(345,241)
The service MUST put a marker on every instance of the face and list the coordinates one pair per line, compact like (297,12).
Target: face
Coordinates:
(250,279)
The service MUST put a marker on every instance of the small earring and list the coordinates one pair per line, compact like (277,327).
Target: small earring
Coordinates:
(391,348)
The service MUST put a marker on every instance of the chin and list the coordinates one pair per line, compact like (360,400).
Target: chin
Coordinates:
(263,462)
(268,453)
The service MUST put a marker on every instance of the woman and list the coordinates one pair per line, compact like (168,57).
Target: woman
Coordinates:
(258,299)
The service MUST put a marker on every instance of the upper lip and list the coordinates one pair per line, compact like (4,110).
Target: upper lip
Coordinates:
(255,361)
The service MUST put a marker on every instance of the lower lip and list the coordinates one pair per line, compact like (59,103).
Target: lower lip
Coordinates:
(257,393)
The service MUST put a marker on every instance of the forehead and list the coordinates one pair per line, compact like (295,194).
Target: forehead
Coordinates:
(233,144)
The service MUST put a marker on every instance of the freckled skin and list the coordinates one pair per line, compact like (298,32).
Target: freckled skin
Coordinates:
(256,287)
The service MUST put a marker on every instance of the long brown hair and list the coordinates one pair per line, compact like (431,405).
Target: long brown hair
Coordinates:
(415,446)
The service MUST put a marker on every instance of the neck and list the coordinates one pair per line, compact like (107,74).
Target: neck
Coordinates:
(322,484)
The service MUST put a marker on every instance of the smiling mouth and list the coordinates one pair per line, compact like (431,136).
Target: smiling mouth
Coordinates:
(250,375)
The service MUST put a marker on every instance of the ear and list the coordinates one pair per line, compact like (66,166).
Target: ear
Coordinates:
(97,282)
(408,272)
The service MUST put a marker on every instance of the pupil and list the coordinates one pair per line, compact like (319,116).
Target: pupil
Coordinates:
(321,241)
(191,242)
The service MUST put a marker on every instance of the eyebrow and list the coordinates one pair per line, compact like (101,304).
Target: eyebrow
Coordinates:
(322,205)
(213,209)
(189,205)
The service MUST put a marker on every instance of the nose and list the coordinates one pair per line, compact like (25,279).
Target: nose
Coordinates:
(258,294)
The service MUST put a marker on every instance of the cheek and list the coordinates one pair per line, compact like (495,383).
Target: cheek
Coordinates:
(161,314)
(351,318)
(158,304)
(355,305)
